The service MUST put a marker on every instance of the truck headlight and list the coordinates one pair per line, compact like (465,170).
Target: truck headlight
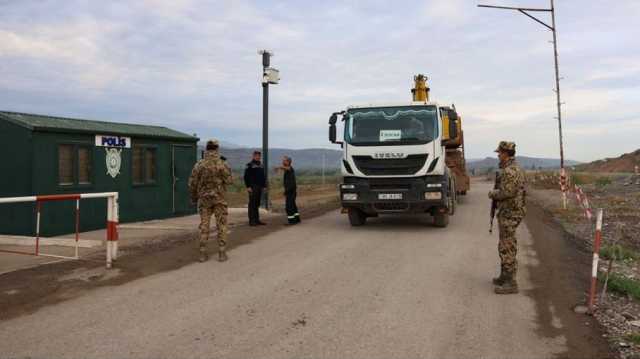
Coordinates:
(434,185)
(348,186)
(432,195)
(350,196)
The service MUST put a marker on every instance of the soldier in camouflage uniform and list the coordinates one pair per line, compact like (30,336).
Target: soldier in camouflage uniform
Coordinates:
(207,186)
(510,196)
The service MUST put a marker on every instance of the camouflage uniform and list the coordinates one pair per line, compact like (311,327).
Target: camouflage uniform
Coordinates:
(207,185)
(511,210)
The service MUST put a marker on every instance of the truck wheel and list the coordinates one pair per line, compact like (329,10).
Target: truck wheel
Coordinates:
(441,219)
(453,198)
(357,217)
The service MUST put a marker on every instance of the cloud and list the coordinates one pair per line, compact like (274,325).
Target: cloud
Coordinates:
(192,65)
(447,13)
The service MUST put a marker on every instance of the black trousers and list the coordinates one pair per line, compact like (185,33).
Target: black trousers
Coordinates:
(255,197)
(293,216)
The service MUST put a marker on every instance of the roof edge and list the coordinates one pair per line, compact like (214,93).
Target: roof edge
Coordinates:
(17,123)
(179,135)
(186,137)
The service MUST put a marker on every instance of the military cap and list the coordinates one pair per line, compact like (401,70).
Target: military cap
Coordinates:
(212,145)
(506,146)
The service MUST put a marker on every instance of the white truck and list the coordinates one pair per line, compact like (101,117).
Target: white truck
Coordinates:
(394,158)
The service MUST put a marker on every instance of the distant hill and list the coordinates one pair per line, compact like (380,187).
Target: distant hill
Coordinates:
(223,144)
(624,163)
(311,159)
(305,159)
(482,165)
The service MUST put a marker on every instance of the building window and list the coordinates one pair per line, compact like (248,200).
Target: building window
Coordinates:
(74,165)
(65,165)
(84,165)
(150,165)
(143,165)
(136,164)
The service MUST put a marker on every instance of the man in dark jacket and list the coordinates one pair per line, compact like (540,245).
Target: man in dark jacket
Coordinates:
(290,191)
(254,180)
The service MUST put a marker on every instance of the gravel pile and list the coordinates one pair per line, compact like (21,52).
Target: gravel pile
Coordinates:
(620,316)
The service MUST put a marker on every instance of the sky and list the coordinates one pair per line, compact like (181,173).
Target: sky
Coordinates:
(193,65)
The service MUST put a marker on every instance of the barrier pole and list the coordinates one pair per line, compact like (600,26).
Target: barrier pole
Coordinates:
(37,227)
(112,221)
(115,220)
(596,257)
(77,226)
(109,216)
(563,187)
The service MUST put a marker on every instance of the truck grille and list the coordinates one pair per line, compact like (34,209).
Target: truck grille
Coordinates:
(391,206)
(389,167)
(390,186)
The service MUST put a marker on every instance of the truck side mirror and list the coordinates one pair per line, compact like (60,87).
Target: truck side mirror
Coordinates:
(453,115)
(332,127)
(332,133)
(333,119)
(453,128)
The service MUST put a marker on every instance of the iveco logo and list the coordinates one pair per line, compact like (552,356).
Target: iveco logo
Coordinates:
(382,155)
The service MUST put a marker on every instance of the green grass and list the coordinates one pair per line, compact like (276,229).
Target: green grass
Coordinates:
(579,179)
(585,178)
(633,337)
(618,252)
(622,285)
(603,181)
(303,178)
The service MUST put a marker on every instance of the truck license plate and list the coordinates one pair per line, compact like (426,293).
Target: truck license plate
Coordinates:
(390,196)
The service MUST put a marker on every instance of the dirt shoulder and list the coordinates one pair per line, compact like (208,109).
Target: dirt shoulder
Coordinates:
(560,281)
(25,291)
(618,311)
(306,194)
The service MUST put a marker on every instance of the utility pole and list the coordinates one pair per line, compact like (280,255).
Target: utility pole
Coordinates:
(269,76)
(527,12)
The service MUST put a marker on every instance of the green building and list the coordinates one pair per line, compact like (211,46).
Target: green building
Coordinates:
(148,166)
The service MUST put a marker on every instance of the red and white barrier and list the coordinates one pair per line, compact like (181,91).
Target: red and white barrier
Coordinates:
(112,229)
(563,187)
(583,201)
(112,221)
(596,257)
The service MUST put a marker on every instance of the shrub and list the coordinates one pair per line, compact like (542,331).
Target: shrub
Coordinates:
(603,181)
(617,252)
(633,337)
(620,284)
(581,178)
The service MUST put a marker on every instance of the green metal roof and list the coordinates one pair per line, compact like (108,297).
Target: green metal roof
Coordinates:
(62,124)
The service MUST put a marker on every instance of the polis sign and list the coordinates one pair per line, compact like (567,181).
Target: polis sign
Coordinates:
(113,141)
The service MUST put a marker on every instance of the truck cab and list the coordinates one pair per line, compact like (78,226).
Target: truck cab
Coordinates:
(393,161)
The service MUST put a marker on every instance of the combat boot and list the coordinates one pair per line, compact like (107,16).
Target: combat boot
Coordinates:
(499,280)
(222,256)
(509,286)
(204,256)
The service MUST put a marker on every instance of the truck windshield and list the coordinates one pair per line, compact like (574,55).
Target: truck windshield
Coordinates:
(388,126)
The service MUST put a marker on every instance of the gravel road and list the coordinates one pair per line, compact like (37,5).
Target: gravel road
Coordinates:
(395,288)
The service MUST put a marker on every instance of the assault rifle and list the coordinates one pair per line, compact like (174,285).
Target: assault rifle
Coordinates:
(494,203)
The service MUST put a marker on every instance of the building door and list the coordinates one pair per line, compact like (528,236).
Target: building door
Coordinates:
(183,158)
